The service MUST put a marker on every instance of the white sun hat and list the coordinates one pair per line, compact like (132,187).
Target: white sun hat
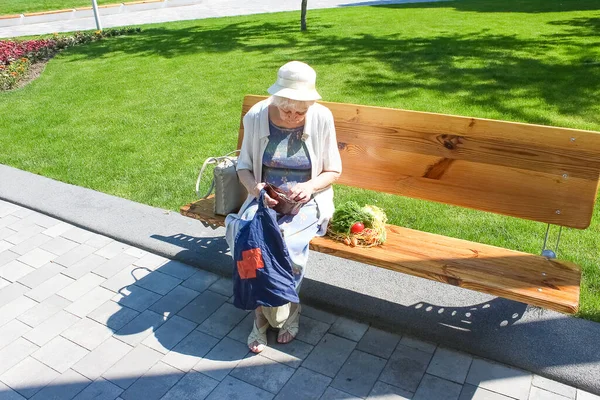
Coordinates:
(296,81)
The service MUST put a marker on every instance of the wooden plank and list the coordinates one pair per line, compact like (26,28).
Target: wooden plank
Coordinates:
(519,276)
(535,172)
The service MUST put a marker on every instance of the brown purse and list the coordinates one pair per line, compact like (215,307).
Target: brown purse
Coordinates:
(285,205)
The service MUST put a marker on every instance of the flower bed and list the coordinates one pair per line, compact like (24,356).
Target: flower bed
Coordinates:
(16,57)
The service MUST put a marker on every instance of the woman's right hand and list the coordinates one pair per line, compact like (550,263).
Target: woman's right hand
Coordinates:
(269,202)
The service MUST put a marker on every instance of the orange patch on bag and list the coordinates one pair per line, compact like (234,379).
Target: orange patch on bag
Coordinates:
(251,261)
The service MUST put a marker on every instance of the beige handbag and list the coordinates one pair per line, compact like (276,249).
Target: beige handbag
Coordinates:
(230,194)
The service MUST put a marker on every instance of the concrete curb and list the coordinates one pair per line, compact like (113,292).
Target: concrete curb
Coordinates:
(547,343)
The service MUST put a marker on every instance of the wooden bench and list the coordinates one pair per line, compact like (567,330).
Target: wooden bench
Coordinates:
(527,171)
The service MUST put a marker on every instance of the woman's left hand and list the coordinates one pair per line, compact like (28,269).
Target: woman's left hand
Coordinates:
(302,192)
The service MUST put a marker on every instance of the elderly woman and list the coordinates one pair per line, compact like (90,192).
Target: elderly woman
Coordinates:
(289,141)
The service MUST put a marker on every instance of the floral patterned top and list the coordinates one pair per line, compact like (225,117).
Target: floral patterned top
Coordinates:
(286,161)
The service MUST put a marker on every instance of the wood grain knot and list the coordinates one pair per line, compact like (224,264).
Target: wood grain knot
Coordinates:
(453,281)
(450,142)
(341,145)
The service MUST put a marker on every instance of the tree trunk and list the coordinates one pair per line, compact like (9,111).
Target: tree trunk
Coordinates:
(303,16)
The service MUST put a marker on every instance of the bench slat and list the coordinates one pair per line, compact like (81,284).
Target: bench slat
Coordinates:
(519,276)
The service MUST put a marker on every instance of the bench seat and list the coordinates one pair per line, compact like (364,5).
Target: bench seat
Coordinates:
(528,278)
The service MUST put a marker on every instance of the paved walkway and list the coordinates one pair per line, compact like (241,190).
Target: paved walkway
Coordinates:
(205,9)
(83,316)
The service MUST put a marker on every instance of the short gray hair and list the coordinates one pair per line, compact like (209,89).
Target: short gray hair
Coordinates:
(289,104)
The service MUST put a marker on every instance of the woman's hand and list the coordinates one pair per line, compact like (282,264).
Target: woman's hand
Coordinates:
(302,192)
(269,202)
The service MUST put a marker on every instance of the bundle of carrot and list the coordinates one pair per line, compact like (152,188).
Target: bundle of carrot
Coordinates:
(358,226)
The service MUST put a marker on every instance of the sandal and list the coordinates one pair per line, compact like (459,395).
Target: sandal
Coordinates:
(291,325)
(258,335)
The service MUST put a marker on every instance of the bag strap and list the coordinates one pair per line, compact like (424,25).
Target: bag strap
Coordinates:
(207,162)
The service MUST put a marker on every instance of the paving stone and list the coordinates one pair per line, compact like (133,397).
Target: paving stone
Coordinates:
(222,321)
(42,220)
(65,387)
(57,229)
(7,220)
(192,386)
(12,331)
(223,286)
(4,245)
(131,367)
(100,389)
(136,297)
(334,394)
(378,342)
(450,364)
(311,331)
(128,276)
(470,392)
(41,275)
(359,373)
(9,394)
(37,257)
(304,385)
(102,358)
(90,301)
(202,306)
(405,368)
(349,329)
(177,269)
(81,286)
(234,389)
(15,270)
(169,334)
(40,312)
(5,233)
(113,249)
(174,301)
(82,267)
(190,350)
(158,282)
(22,212)
(540,394)
(29,376)
(222,359)
(7,256)
(78,235)
(581,395)
(99,241)
(60,354)
(29,245)
(73,256)
(151,261)
(291,354)
(383,391)
(500,378)
(329,355)
(87,333)
(59,245)
(4,283)
(113,315)
(114,265)
(154,384)
(15,309)
(21,224)
(14,353)
(23,234)
(140,328)
(11,292)
(550,385)
(432,387)
(200,281)
(418,344)
(50,287)
(135,252)
(243,329)
(7,208)
(263,373)
(319,315)
(50,328)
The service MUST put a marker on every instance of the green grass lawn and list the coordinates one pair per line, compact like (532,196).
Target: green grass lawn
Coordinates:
(136,116)
(27,6)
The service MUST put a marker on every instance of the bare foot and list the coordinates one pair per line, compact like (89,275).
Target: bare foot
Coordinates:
(259,321)
(287,337)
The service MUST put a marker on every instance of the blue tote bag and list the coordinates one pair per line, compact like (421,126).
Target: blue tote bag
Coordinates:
(262,271)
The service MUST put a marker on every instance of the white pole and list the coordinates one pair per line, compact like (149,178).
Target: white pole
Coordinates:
(96,15)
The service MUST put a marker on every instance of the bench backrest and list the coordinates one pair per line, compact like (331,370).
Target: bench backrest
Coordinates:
(534,172)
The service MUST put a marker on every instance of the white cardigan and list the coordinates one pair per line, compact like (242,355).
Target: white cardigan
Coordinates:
(321,143)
